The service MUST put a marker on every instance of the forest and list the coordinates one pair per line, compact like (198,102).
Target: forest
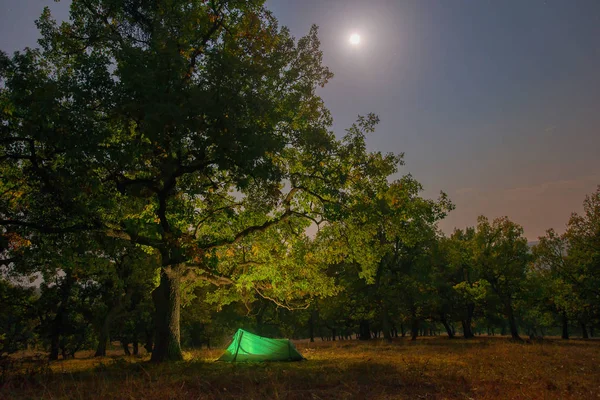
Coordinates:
(168,174)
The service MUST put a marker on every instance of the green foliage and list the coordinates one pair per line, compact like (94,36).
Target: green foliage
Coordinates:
(568,265)
(387,237)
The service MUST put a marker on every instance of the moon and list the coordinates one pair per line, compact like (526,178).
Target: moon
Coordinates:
(354,39)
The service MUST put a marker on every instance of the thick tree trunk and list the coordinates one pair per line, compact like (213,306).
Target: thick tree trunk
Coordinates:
(514,331)
(584,332)
(136,349)
(167,299)
(565,326)
(364,330)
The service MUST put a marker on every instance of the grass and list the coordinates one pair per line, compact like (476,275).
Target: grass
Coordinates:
(431,368)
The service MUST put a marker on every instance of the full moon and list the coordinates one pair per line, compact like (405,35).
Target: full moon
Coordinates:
(354,39)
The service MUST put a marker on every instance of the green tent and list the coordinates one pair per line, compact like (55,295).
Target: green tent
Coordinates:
(247,346)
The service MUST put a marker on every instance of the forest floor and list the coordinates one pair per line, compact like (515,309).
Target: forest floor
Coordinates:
(430,368)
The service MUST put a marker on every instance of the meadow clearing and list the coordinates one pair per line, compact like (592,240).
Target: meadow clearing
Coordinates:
(430,368)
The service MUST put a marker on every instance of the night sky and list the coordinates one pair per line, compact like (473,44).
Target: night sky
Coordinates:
(497,103)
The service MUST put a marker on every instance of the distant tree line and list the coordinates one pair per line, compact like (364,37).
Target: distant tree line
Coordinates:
(482,280)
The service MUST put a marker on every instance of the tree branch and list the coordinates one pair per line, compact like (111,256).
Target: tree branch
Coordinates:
(197,272)
(280,304)
(249,230)
(48,229)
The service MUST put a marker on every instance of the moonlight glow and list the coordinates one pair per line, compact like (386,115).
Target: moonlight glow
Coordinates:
(354,39)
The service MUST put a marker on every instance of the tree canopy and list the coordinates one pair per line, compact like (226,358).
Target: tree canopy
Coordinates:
(183,127)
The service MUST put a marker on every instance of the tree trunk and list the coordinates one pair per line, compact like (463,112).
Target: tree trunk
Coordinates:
(565,326)
(102,344)
(514,331)
(584,332)
(125,345)
(387,332)
(414,329)
(447,326)
(54,343)
(149,342)
(591,331)
(167,299)
(414,325)
(467,330)
(58,322)
(466,323)
(364,330)
(311,326)
(135,343)
(259,320)
(104,336)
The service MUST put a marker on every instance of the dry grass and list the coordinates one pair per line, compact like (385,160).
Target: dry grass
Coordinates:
(437,368)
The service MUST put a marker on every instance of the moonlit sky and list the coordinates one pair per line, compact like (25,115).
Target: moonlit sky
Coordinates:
(497,103)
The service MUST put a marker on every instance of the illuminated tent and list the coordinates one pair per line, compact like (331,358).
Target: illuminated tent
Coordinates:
(247,346)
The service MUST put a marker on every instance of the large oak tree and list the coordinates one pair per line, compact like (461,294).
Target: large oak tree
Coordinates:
(184,127)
